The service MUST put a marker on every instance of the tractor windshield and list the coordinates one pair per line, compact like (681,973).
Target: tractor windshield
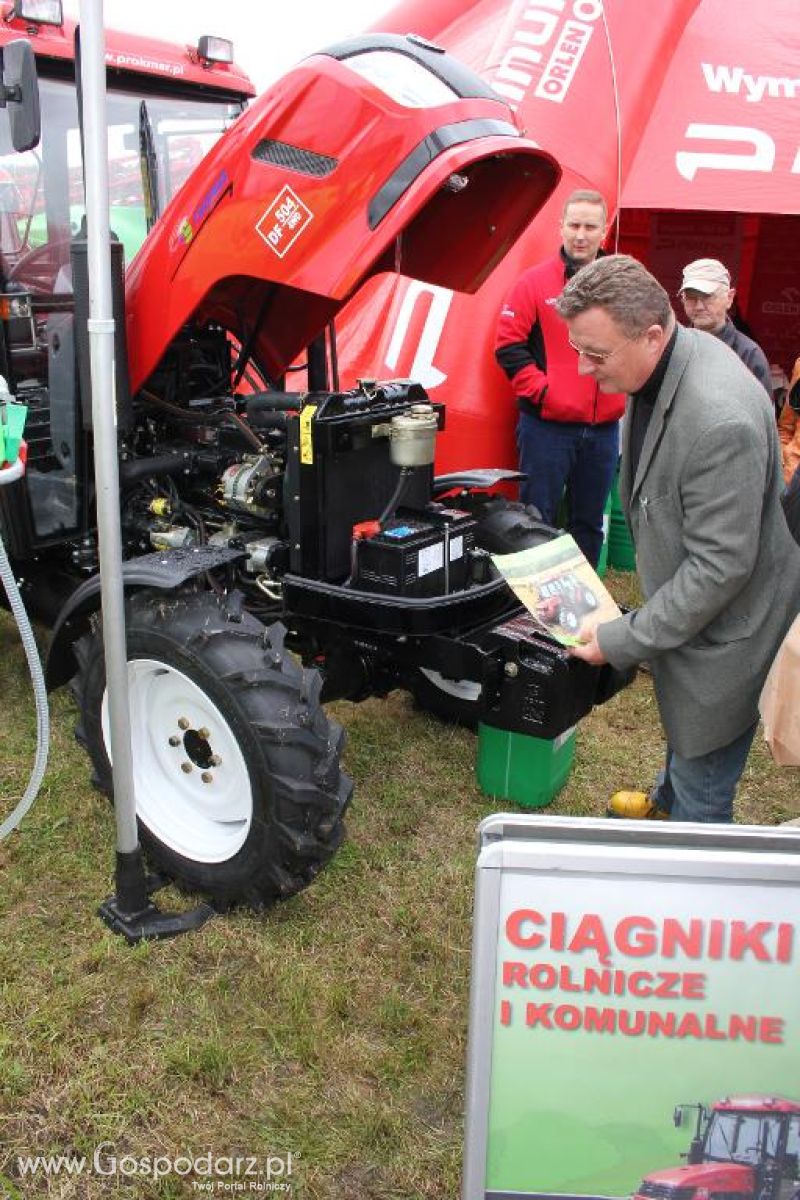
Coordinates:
(154,142)
(746,1138)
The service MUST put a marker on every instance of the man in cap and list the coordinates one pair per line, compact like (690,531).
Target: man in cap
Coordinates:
(707,296)
(700,483)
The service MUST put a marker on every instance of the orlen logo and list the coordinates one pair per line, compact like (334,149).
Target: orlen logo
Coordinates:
(558,30)
(283,222)
(787,306)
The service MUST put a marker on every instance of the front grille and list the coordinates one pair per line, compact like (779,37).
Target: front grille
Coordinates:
(665,1191)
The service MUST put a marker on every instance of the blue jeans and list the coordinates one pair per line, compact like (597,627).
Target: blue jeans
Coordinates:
(702,789)
(582,458)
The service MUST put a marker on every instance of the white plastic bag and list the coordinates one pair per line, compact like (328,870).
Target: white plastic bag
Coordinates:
(779,703)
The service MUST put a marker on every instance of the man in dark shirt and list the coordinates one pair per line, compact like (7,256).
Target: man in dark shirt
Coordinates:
(707,296)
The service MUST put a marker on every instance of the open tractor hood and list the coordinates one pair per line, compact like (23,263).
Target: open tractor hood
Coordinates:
(378,154)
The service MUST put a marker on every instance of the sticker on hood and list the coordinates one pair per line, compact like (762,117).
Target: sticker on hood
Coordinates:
(282,223)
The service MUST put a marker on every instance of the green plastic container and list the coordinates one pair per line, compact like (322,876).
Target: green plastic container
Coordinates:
(562,521)
(621,554)
(530,771)
(12,425)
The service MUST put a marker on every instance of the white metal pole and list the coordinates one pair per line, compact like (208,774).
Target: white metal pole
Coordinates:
(104,419)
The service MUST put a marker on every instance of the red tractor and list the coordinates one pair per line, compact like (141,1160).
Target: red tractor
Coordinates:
(744,1148)
(281,547)
(565,601)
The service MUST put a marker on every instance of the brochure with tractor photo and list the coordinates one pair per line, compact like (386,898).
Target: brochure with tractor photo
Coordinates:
(558,586)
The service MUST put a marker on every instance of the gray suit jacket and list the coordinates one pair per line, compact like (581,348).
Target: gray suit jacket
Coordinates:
(719,569)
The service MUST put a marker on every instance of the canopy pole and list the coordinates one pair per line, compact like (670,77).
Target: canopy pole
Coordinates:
(130,911)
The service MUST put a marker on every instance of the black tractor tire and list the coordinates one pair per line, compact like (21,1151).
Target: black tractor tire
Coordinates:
(239,792)
(506,526)
(453,701)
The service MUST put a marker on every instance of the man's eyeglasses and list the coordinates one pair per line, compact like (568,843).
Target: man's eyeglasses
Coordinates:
(598,357)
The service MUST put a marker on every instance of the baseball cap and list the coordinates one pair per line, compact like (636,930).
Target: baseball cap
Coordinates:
(705,275)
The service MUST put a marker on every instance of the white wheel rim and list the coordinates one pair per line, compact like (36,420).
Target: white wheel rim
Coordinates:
(190,778)
(460,689)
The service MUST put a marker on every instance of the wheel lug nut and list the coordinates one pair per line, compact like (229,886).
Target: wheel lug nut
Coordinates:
(186,767)
(183,723)
(174,740)
(215,760)
(203,733)
(207,777)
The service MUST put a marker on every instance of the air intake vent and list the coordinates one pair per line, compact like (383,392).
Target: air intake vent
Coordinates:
(305,162)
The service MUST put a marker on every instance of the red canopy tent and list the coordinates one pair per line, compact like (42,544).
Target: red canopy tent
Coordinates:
(717,170)
(682,120)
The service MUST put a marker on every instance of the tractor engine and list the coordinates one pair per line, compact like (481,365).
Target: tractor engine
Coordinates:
(193,469)
(334,486)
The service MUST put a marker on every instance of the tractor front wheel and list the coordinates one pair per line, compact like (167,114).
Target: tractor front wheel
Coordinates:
(239,793)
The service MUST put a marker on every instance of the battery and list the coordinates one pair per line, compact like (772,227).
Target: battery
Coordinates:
(458,528)
(407,558)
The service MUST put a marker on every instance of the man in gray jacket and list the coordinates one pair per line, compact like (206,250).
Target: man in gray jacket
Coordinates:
(700,484)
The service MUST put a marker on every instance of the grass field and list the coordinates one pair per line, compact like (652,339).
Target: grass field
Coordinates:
(332,1029)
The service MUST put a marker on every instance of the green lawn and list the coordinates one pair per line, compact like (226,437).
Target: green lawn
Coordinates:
(333,1028)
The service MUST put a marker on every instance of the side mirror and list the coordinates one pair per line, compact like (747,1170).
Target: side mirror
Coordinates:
(677,1117)
(20,94)
(695,1154)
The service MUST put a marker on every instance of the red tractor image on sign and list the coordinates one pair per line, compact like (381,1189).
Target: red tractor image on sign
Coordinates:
(744,1147)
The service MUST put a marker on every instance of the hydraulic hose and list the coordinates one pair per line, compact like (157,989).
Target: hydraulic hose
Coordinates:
(402,483)
(39,691)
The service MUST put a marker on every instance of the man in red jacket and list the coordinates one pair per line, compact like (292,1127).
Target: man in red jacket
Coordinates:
(567,430)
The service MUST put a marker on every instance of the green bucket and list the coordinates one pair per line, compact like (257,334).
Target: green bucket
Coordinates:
(528,770)
(562,521)
(621,554)
(12,424)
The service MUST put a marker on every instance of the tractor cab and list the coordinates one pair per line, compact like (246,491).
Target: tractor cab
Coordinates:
(155,139)
(166,108)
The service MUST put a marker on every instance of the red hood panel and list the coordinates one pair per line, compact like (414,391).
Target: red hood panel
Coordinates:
(277,228)
(728,1177)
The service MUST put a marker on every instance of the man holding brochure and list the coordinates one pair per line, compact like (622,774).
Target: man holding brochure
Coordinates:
(700,484)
